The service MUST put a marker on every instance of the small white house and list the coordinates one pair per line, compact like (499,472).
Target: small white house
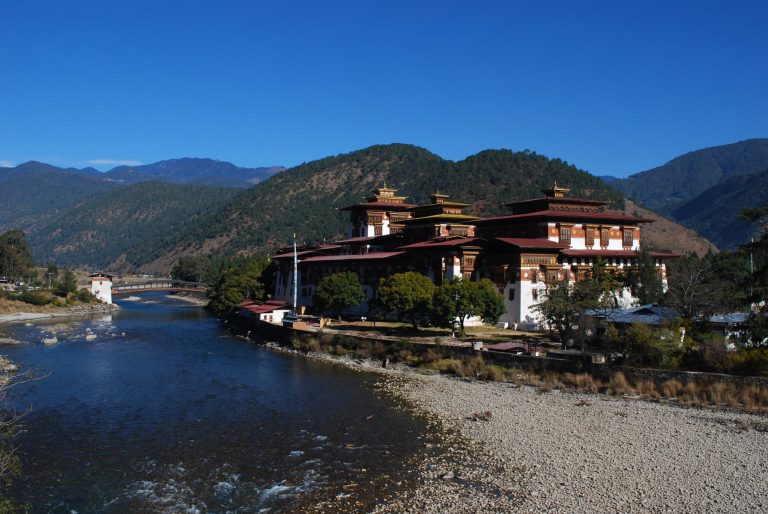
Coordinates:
(101,286)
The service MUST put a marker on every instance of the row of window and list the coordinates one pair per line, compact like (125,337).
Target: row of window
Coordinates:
(592,233)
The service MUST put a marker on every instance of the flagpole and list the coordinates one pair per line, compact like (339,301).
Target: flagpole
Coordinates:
(295,273)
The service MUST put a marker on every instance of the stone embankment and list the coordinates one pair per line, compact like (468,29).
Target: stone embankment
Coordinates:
(64,312)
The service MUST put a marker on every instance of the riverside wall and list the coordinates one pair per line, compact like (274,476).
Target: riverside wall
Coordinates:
(285,336)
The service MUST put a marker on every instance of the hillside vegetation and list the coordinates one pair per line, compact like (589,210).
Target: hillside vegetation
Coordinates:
(35,193)
(306,199)
(126,226)
(714,213)
(668,187)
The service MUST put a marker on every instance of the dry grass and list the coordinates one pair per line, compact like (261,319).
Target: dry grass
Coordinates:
(619,384)
(648,389)
(671,388)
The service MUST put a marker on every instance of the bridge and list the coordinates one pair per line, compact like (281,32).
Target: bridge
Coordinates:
(161,285)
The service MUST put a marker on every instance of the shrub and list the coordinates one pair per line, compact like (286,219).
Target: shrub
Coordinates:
(749,362)
(34,298)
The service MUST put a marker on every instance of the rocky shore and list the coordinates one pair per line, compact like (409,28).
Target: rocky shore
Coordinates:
(497,447)
(64,312)
(518,449)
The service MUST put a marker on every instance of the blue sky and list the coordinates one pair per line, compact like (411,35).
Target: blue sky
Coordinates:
(613,87)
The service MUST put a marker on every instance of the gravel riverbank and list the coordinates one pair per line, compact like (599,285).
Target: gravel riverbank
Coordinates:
(563,452)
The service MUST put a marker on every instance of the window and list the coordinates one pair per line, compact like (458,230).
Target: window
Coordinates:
(512,294)
(565,235)
(589,236)
(535,294)
(628,237)
(605,235)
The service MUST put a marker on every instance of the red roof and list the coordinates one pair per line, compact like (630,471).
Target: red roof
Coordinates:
(522,242)
(356,240)
(319,249)
(553,213)
(380,205)
(263,308)
(558,199)
(441,243)
(357,257)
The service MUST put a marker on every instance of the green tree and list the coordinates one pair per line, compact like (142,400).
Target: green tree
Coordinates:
(338,291)
(562,304)
(408,294)
(758,281)
(240,282)
(15,258)
(67,284)
(192,268)
(458,299)
(644,280)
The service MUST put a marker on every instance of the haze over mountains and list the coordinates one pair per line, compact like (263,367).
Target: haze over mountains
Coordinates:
(145,217)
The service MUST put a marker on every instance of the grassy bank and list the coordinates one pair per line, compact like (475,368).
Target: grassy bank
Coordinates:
(699,391)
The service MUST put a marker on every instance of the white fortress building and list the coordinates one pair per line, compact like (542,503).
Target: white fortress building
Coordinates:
(542,241)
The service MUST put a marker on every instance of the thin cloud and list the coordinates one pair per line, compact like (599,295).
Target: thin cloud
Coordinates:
(7,164)
(114,162)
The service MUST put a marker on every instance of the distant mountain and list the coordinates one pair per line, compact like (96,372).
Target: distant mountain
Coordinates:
(124,226)
(714,213)
(670,186)
(34,193)
(306,199)
(608,179)
(207,172)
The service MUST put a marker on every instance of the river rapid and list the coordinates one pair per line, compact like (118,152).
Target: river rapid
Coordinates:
(164,411)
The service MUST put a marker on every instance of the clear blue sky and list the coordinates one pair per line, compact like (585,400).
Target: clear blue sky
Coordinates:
(614,87)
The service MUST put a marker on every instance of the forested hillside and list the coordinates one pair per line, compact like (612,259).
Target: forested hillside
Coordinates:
(714,213)
(306,199)
(668,187)
(130,225)
(35,193)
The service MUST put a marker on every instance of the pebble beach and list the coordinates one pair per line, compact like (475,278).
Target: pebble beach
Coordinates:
(519,449)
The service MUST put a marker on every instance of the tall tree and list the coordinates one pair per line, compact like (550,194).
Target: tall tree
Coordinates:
(67,284)
(338,292)
(191,268)
(15,258)
(758,283)
(239,282)
(408,294)
(644,279)
(692,288)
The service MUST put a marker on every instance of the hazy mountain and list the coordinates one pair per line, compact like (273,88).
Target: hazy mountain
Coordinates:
(34,193)
(714,213)
(208,172)
(668,187)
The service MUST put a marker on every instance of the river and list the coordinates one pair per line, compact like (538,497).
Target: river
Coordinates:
(164,411)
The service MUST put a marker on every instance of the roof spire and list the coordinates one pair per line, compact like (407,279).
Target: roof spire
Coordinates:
(556,191)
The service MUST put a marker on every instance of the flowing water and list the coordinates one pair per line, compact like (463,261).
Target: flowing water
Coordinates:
(163,411)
